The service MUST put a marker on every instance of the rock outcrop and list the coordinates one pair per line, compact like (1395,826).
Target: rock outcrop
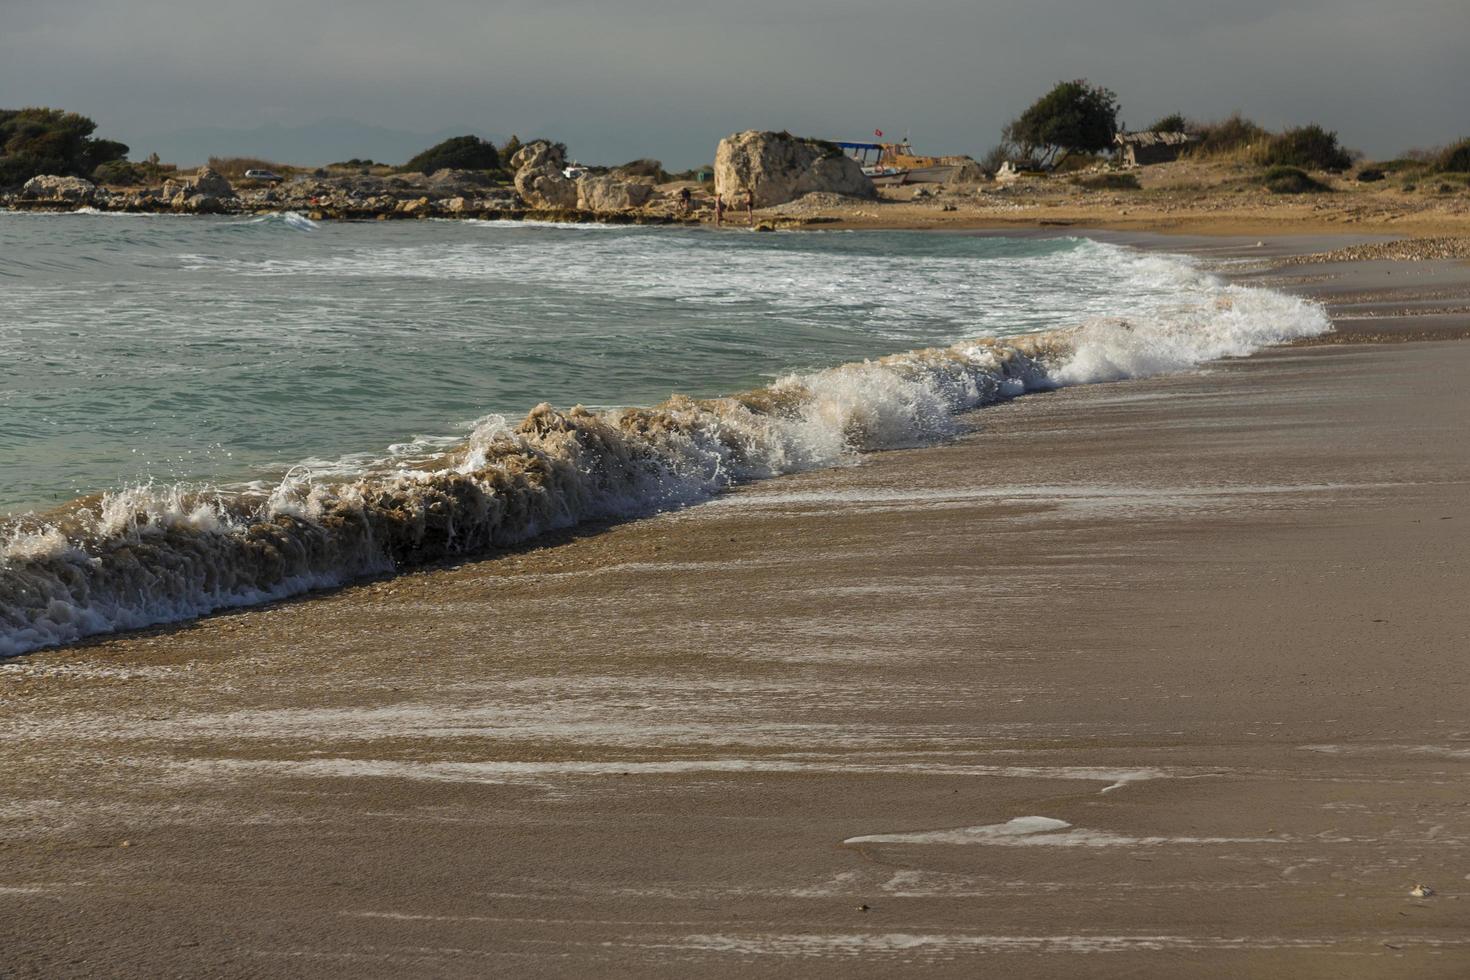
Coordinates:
(539,179)
(59,190)
(205,194)
(611,194)
(210,183)
(779,167)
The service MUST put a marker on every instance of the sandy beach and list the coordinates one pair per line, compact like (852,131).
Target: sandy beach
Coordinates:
(1154,678)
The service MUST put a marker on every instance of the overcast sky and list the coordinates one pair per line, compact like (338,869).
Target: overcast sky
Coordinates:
(618,79)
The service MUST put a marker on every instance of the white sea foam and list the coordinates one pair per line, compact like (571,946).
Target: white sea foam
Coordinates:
(147,556)
(1043,832)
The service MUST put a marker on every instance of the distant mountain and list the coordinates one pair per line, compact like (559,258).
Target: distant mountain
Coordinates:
(322,142)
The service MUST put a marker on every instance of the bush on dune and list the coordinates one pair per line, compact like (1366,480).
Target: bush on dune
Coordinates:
(118,173)
(1174,122)
(458,153)
(1455,158)
(1290,180)
(1309,147)
(1232,136)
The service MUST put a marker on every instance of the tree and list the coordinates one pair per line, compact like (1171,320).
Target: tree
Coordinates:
(459,153)
(1074,117)
(50,141)
(1174,122)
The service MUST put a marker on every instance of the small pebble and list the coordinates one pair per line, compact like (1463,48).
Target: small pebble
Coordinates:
(1421,891)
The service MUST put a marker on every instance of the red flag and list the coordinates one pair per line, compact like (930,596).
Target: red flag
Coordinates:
(878,133)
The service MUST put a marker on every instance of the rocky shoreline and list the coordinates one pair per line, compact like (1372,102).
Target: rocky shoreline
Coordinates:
(771,168)
(446,194)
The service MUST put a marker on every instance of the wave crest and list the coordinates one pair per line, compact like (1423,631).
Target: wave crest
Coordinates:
(144,556)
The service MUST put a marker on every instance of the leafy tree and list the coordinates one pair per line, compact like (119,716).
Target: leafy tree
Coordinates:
(1074,117)
(459,153)
(51,141)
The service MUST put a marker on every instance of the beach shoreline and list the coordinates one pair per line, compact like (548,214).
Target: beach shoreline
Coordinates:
(1207,621)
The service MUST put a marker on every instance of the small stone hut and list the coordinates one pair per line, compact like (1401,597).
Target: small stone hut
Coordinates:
(1141,149)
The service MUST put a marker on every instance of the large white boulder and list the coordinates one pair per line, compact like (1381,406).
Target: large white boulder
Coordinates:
(611,194)
(779,167)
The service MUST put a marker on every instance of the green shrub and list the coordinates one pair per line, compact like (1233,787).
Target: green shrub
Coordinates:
(1228,136)
(1455,159)
(1107,182)
(1310,147)
(1370,175)
(1290,180)
(1174,122)
(118,172)
(459,153)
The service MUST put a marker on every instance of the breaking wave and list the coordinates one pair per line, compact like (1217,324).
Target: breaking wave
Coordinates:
(146,556)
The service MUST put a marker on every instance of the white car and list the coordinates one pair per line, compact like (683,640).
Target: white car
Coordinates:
(574,172)
(263,175)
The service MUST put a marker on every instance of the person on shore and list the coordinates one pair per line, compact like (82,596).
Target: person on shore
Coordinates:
(685,201)
(750,207)
(719,210)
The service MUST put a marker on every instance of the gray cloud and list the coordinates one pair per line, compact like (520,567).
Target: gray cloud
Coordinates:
(624,78)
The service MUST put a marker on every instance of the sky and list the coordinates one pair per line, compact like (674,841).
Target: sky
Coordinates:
(621,79)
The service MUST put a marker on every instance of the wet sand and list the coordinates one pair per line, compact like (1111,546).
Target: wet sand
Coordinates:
(1213,623)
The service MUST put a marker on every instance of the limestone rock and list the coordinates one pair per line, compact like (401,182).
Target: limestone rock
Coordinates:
(210,183)
(611,194)
(538,154)
(59,190)
(779,167)
(555,191)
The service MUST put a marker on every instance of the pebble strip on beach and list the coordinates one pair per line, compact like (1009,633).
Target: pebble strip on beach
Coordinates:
(1402,250)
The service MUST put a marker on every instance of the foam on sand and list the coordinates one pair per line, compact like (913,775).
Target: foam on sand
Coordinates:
(1043,832)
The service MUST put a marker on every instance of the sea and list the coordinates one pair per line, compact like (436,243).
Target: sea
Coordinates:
(200,413)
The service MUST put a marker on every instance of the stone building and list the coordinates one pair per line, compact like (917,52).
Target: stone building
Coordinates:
(1141,149)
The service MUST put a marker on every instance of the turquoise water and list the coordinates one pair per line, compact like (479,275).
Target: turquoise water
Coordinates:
(193,350)
(243,395)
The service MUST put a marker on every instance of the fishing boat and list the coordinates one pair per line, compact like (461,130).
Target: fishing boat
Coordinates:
(889,164)
(869,156)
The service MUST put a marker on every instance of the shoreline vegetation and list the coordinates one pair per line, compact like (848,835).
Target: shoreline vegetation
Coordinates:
(1063,162)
